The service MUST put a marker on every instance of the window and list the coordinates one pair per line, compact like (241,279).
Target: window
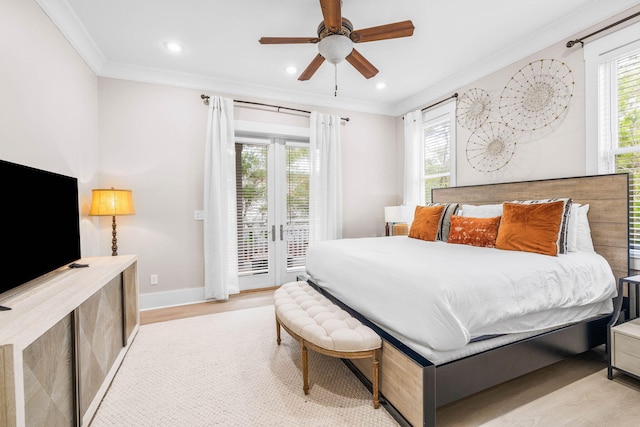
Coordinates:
(438,136)
(613,114)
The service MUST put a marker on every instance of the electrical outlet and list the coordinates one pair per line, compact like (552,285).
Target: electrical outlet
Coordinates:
(154,279)
(198,215)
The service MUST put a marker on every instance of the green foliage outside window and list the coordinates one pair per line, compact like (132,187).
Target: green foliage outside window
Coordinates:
(437,156)
(629,136)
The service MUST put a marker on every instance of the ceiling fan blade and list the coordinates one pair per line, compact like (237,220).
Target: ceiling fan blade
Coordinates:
(288,40)
(383,32)
(332,15)
(312,68)
(361,64)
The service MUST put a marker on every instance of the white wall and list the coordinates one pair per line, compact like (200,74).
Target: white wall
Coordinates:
(48,103)
(152,142)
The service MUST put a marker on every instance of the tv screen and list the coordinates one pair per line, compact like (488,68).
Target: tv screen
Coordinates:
(41,222)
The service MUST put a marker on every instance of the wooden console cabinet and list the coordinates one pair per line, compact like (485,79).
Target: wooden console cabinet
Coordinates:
(63,341)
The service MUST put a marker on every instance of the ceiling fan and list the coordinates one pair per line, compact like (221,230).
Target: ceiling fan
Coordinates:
(336,37)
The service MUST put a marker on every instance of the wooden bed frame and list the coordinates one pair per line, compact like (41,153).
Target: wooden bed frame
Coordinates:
(412,387)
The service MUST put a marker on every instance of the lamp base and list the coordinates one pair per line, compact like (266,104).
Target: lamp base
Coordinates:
(114,238)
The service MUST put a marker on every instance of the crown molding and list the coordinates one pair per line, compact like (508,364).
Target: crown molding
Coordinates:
(555,32)
(72,28)
(64,17)
(235,89)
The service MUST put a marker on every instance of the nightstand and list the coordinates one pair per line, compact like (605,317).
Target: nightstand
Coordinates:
(624,339)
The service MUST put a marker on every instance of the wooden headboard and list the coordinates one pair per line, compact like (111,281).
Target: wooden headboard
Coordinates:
(607,196)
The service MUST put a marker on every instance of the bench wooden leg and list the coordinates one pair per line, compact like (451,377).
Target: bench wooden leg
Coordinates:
(376,375)
(305,372)
(277,331)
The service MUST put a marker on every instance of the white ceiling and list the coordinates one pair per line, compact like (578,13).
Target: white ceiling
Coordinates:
(454,43)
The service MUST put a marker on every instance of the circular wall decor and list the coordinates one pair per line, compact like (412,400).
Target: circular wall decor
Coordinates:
(537,95)
(473,108)
(491,147)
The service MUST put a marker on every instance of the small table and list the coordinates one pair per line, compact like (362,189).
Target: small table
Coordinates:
(623,340)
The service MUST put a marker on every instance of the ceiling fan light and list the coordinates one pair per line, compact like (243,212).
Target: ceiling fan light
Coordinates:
(335,48)
(173,47)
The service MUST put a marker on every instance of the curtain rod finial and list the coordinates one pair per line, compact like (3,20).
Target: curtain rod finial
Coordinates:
(572,43)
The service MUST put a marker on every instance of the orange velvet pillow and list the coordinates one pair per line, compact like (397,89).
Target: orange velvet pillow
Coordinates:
(426,222)
(531,227)
(474,231)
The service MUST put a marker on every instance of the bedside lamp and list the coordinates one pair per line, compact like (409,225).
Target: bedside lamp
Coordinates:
(396,215)
(111,202)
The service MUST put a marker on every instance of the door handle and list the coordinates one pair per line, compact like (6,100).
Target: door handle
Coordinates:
(281,232)
(273,233)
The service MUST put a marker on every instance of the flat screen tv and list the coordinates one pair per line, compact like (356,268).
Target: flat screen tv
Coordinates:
(41,222)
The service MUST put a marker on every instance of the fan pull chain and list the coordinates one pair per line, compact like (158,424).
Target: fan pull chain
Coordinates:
(335,67)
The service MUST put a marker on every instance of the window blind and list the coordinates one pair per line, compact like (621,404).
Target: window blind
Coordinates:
(619,124)
(252,209)
(297,220)
(437,154)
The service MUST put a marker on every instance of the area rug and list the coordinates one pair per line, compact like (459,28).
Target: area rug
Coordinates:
(226,369)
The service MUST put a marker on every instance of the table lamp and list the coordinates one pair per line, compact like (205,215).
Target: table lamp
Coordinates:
(111,202)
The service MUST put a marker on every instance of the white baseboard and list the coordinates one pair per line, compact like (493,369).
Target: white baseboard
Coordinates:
(171,298)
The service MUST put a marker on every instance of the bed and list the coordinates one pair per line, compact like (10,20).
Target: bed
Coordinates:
(460,352)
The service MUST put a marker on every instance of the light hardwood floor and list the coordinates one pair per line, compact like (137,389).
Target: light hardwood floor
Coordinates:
(574,392)
(240,301)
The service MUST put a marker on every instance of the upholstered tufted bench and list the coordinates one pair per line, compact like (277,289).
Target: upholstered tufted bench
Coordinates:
(322,326)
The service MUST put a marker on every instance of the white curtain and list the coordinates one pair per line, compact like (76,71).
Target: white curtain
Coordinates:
(325,178)
(220,230)
(413,161)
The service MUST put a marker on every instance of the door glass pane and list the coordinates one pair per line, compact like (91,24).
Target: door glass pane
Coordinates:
(252,209)
(297,220)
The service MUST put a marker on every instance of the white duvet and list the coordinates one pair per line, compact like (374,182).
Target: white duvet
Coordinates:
(442,295)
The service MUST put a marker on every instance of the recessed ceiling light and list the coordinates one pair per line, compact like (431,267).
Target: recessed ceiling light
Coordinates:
(173,47)
(381,85)
(291,69)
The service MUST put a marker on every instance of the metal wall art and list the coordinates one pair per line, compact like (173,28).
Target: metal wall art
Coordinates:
(491,147)
(474,107)
(537,95)
(532,105)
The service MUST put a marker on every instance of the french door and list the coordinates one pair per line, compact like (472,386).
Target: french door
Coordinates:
(272,186)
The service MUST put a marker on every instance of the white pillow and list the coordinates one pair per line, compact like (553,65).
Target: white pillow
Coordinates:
(481,211)
(585,242)
(579,232)
(572,230)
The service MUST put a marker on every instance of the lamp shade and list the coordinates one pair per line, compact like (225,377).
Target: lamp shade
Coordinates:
(335,48)
(111,202)
(396,214)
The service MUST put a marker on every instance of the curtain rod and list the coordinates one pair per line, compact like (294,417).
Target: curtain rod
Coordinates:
(572,43)
(455,95)
(205,98)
